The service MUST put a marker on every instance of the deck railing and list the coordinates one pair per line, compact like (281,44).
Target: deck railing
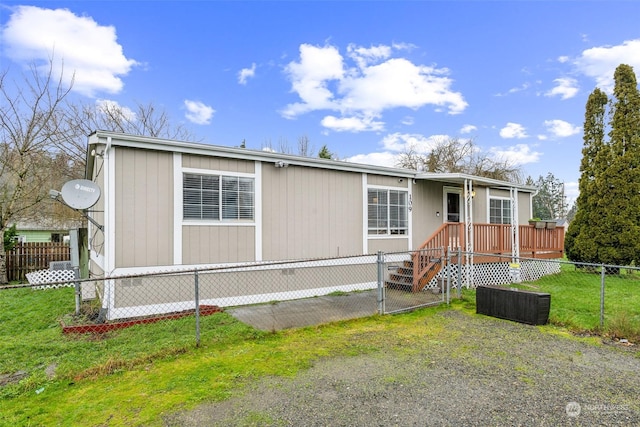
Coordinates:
(493,239)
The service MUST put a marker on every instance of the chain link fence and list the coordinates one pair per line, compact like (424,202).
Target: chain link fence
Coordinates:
(279,295)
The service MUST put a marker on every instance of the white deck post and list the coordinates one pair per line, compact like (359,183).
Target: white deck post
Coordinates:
(468,226)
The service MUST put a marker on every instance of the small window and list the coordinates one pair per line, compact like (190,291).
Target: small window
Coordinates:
(387,212)
(499,211)
(216,197)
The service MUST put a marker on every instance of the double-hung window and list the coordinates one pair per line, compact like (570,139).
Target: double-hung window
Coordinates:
(218,197)
(499,211)
(387,212)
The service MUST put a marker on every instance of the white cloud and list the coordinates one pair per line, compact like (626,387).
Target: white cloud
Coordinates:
(400,142)
(34,35)
(378,159)
(365,56)
(517,89)
(560,128)
(310,77)
(106,105)
(468,129)
(571,191)
(513,130)
(600,63)
(352,124)
(519,154)
(375,83)
(566,88)
(396,143)
(563,59)
(246,73)
(408,121)
(198,113)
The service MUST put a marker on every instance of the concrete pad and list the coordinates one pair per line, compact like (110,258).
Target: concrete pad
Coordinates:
(329,308)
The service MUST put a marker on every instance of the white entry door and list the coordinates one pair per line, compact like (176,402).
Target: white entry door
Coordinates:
(452,204)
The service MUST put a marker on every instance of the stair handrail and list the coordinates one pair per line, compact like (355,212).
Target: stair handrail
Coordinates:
(422,257)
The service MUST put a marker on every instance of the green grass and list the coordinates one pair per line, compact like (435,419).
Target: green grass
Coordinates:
(132,376)
(575,301)
(31,339)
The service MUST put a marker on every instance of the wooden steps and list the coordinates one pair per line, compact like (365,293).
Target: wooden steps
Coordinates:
(402,278)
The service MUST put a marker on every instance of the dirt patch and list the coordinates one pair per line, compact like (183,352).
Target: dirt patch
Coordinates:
(488,372)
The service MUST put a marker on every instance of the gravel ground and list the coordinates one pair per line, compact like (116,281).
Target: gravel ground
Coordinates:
(490,372)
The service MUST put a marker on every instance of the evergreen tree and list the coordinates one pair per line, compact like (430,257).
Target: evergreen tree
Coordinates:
(549,202)
(619,237)
(324,153)
(579,244)
(606,228)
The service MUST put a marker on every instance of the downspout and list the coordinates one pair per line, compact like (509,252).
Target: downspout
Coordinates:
(109,295)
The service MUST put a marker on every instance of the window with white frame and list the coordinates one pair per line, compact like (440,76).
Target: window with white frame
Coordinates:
(217,197)
(499,211)
(387,212)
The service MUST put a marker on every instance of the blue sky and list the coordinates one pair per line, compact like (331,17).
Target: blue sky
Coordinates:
(368,79)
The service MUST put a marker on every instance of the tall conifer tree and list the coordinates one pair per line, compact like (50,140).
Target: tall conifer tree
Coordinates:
(579,243)
(606,228)
(620,192)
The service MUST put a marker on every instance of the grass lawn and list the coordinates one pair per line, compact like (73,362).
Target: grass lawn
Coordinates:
(575,301)
(132,376)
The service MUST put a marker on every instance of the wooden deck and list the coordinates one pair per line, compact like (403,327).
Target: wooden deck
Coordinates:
(491,240)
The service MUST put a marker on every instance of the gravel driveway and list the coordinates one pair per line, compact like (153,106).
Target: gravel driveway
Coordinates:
(489,372)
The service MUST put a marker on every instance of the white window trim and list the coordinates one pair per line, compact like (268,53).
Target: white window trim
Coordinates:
(445,211)
(489,199)
(366,213)
(220,222)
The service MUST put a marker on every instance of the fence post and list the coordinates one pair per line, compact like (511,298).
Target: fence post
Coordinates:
(380,263)
(75,265)
(197,301)
(448,270)
(459,272)
(602,276)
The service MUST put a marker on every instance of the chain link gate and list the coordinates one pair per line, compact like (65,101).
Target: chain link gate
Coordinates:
(410,280)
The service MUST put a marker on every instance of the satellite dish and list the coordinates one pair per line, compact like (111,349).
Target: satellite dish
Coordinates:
(80,193)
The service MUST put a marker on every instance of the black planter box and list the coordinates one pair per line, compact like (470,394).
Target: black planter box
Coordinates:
(513,304)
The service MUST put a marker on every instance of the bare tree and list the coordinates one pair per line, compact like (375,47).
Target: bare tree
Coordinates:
(145,119)
(305,148)
(455,155)
(30,128)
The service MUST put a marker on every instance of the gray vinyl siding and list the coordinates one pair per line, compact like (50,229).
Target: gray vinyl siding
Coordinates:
(217,244)
(387,245)
(220,243)
(237,284)
(480,207)
(427,202)
(218,164)
(310,213)
(387,181)
(143,208)
(524,204)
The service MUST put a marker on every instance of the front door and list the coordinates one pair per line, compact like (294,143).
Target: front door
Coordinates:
(453,205)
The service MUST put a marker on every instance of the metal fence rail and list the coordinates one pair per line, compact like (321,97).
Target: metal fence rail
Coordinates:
(273,296)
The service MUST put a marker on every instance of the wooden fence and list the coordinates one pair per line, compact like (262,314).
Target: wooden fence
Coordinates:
(28,257)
